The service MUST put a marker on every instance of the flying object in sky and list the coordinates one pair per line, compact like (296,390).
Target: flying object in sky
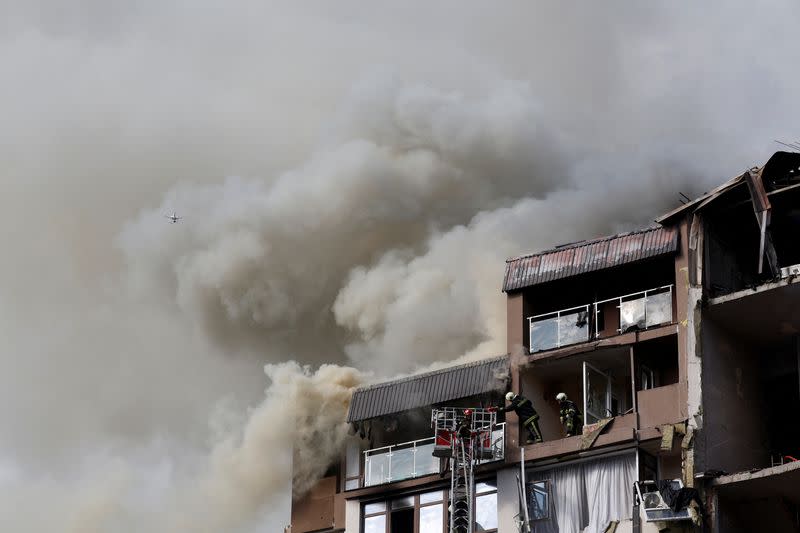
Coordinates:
(173,217)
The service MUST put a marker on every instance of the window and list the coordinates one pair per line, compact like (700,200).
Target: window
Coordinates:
(539,500)
(486,506)
(353,465)
(431,512)
(424,513)
(648,378)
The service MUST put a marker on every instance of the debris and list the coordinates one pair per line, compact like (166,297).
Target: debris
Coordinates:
(588,439)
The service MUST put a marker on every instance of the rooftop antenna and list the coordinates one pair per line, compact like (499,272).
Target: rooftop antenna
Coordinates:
(793,145)
(684,199)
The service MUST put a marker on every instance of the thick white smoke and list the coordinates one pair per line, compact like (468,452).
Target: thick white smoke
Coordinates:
(388,159)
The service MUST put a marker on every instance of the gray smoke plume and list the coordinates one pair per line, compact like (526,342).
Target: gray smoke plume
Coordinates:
(352,178)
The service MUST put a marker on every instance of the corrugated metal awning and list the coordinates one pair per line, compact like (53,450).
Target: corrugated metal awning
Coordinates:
(430,388)
(588,256)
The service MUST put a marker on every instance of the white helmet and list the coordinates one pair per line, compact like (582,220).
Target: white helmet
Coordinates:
(510,396)
(561,396)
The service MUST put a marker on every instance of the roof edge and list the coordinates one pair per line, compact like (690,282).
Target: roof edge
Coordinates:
(431,373)
(588,242)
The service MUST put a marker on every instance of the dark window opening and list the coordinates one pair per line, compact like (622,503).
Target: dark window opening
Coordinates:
(402,521)
(656,363)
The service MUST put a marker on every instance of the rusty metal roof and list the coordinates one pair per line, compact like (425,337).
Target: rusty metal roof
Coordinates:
(588,256)
(430,388)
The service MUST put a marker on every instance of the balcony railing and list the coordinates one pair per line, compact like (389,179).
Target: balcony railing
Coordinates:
(639,310)
(414,459)
(560,328)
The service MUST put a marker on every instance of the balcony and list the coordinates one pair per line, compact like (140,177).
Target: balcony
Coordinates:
(414,459)
(635,311)
(560,328)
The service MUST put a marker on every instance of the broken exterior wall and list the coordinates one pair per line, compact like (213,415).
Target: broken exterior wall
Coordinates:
(734,433)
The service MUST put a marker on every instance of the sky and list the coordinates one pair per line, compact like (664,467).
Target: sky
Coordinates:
(352,177)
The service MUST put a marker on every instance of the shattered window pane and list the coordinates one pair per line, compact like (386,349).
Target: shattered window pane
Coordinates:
(538,497)
(632,315)
(556,331)
(659,309)
(573,328)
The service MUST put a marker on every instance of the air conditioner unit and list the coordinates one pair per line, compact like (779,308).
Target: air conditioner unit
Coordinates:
(793,270)
(654,506)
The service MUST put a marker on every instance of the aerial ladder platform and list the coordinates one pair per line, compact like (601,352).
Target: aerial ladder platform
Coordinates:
(464,436)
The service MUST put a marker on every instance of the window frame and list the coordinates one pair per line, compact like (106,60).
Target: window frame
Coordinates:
(547,502)
(443,501)
(493,490)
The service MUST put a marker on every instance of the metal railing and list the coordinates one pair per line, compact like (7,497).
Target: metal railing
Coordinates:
(559,328)
(638,310)
(415,458)
(498,444)
(399,461)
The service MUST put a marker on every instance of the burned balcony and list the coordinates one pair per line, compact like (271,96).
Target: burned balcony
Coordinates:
(631,312)
(560,328)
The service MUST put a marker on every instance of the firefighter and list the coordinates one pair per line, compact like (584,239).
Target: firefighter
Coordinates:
(526,413)
(464,429)
(571,418)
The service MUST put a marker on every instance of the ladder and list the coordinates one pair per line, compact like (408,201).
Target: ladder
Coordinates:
(464,436)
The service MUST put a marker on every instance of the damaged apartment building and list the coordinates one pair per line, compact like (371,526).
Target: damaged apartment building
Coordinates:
(680,345)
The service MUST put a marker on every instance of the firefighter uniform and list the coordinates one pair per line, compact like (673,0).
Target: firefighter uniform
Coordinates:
(528,416)
(571,417)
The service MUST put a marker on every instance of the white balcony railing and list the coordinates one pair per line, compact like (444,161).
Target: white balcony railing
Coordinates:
(639,310)
(559,328)
(414,459)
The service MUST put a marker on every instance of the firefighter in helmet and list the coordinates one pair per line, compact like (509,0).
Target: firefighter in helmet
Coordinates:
(526,413)
(571,418)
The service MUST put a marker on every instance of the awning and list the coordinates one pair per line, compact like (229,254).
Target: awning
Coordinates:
(431,388)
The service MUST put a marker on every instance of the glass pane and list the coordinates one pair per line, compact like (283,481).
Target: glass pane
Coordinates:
(377,507)
(573,328)
(426,462)
(544,334)
(486,486)
(431,518)
(400,503)
(430,497)
(631,315)
(353,459)
(538,505)
(351,484)
(402,463)
(486,511)
(376,469)
(659,309)
(375,524)
(596,397)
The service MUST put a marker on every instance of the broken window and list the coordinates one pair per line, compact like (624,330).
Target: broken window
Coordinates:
(539,500)
(560,328)
(596,394)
